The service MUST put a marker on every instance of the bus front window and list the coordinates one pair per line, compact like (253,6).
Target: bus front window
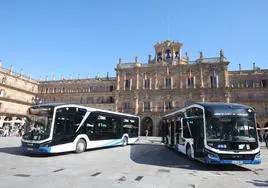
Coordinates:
(234,127)
(39,128)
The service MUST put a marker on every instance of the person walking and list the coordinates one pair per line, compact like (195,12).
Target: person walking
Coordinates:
(146,132)
(260,137)
(266,139)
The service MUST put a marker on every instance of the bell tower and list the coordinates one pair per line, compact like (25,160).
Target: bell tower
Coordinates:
(168,52)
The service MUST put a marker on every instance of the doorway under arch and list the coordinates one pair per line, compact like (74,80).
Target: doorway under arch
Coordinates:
(146,125)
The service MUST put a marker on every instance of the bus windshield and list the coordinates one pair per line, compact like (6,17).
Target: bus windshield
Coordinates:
(234,125)
(39,126)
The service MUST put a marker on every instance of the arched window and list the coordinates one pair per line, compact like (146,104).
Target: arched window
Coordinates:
(4,79)
(159,56)
(168,54)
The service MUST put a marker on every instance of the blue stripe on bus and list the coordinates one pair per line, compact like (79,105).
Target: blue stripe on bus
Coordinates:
(218,161)
(39,150)
(113,143)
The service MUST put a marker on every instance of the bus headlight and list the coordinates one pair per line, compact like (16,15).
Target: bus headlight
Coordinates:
(45,144)
(258,156)
(213,156)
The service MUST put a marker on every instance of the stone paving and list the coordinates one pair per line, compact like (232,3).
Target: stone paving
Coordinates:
(145,164)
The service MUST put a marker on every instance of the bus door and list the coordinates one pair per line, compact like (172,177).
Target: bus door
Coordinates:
(186,134)
(67,121)
(172,133)
(196,127)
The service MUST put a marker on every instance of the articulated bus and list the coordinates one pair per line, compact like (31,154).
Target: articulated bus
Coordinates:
(56,128)
(214,133)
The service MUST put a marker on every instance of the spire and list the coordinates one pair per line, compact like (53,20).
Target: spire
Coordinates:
(186,56)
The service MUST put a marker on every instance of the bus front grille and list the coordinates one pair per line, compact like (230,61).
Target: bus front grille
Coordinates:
(236,157)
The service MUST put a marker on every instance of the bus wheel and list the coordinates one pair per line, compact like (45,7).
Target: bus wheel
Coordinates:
(188,152)
(125,141)
(80,146)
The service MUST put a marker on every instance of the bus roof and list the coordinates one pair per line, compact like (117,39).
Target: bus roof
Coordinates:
(53,105)
(47,105)
(221,104)
(211,105)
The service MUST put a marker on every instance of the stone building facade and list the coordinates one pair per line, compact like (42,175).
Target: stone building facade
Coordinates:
(17,93)
(169,80)
(97,93)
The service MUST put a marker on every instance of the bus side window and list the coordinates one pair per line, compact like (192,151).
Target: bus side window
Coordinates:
(89,124)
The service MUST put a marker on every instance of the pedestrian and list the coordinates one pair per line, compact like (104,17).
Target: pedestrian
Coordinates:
(6,130)
(146,132)
(266,139)
(260,137)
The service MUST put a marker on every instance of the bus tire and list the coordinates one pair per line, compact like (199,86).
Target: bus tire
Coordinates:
(80,146)
(188,151)
(125,141)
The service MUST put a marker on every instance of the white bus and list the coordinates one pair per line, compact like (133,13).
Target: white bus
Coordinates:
(56,128)
(214,133)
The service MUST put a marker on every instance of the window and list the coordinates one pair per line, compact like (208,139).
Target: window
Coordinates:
(168,105)
(101,126)
(127,84)
(214,81)
(131,126)
(264,83)
(168,54)
(2,93)
(234,84)
(193,112)
(176,55)
(159,56)
(146,106)
(4,79)
(191,83)
(67,120)
(147,83)
(249,83)
(126,105)
(168,83)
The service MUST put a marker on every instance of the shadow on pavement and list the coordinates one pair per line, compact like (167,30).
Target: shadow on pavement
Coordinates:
(159,155)
(18,151)
(259,183)
(11,150)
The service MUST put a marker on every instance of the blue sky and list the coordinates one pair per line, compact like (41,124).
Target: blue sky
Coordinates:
(87,37)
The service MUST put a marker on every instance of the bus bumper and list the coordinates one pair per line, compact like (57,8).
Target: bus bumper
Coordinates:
(35,150)
(35,147)
(218,161)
